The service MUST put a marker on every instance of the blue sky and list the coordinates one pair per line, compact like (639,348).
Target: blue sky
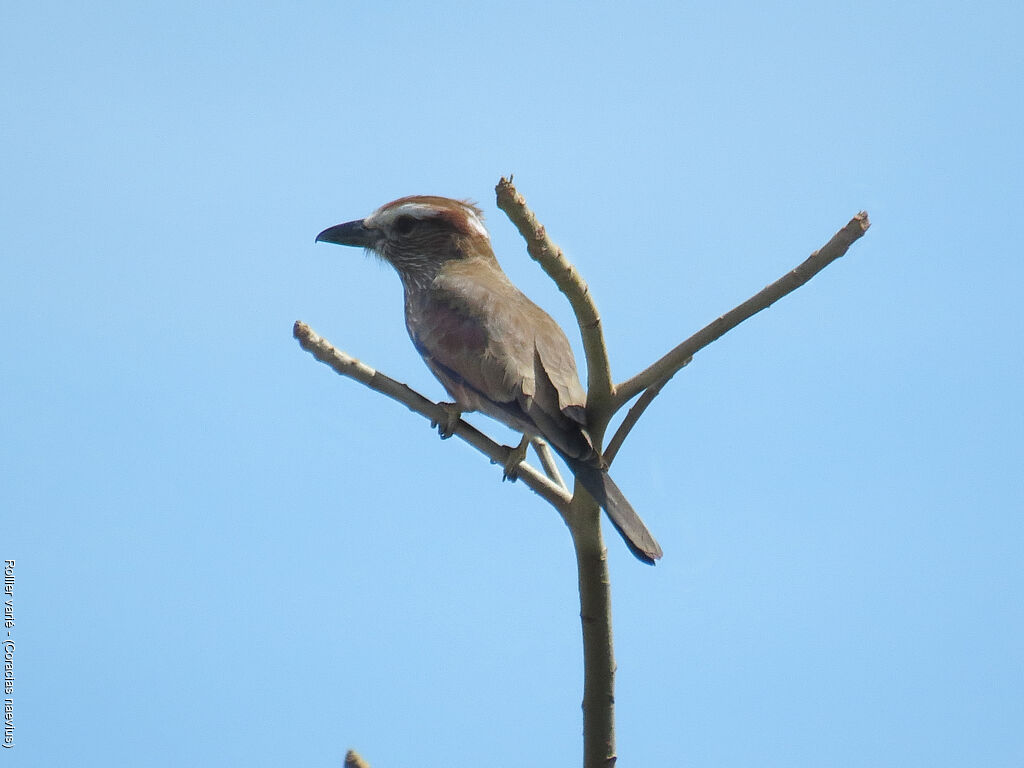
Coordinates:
(227,555)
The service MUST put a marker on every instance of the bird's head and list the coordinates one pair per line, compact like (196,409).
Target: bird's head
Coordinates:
(417,235)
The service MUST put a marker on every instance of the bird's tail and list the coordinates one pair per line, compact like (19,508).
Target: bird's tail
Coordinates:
(625,519)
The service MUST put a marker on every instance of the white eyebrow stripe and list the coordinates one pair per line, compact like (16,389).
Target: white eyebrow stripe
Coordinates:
(475,223)
(385,216)
(416,210)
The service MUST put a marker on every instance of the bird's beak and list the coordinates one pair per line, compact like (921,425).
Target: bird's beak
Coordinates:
(350,233)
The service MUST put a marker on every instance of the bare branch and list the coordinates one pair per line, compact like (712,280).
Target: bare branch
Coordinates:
(598,648)
(666,367)
(632,417)
(353,760)
(547,460)
(348,366)
(551,258)
(584,515)
(580,512)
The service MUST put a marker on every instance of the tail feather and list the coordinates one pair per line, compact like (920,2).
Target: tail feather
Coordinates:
(625,519)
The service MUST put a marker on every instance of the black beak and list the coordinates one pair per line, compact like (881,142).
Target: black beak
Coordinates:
(349,233)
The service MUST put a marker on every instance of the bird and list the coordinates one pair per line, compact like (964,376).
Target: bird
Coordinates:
(491,347)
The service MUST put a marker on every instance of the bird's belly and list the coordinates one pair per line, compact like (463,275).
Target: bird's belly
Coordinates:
(470,400)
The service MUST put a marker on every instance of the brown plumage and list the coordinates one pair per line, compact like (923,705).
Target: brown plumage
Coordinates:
(493,349)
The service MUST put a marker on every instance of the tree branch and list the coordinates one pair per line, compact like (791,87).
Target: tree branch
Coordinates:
(581,513)
(547,461)
(598,648)
(632,417)
(348,366)
(666,367)
(553,261)
(584,515)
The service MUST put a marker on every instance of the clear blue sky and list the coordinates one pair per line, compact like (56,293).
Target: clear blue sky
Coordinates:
(227,555)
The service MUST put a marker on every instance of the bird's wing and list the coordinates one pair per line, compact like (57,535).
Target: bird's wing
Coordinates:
(555,358)
(484,363)
(477,331)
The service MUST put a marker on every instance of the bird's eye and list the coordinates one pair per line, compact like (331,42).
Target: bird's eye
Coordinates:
(404,224)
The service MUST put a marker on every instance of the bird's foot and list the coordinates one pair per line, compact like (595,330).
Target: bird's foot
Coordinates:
(446,426)
(515,458)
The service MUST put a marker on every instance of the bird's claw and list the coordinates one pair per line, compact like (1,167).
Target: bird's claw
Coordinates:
(515,458)
(446,427)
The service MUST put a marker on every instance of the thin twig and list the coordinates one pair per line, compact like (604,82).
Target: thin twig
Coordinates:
(353,760)
(551,258)
(346,365)
(632,417)
(547,460)
(667,366)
